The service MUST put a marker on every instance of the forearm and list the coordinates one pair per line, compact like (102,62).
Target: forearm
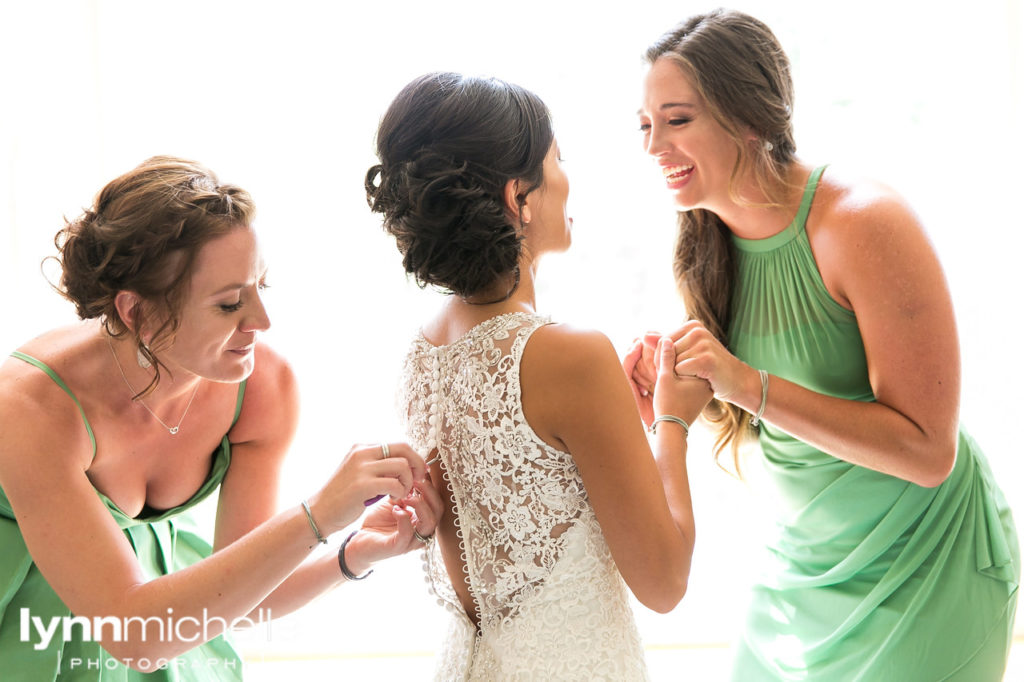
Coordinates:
(315,577)
(869,434)
(669,446)
(225,587)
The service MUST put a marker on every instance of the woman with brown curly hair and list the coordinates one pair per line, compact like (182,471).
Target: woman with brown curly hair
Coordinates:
(821,318)
(111,430)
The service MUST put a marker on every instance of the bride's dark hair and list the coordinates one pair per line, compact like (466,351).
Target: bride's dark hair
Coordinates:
(448,145)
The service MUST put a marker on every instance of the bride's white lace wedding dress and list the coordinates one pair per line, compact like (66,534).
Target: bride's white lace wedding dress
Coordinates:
(551,604)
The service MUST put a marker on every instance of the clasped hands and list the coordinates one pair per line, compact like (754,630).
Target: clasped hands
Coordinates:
(681,376)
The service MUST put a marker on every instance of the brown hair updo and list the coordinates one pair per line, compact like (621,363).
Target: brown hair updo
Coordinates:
(738,67)
(447,145)
(142,235)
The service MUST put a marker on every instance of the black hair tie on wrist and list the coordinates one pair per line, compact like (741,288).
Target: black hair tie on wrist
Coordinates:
(349,575)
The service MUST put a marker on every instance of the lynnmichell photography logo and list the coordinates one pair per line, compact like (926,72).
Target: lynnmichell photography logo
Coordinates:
(41,634)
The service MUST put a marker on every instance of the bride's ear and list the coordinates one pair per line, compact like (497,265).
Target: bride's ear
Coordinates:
(515,203)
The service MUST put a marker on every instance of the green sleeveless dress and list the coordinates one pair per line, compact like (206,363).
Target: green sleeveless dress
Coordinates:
(867,576)
(164,541)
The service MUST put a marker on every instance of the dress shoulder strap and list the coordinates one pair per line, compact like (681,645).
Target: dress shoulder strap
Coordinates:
(805,202)
(238,401)
(60,382)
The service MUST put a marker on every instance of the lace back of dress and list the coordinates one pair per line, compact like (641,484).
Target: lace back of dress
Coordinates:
(514,495)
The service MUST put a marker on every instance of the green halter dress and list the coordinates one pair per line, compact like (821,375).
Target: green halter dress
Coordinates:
(164,541)
(867,576)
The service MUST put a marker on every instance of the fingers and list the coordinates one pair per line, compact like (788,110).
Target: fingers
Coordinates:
(651,339)
(383,469)
(403,522)
(644,380)
(425,516)
(665,391)
(666,356)
(431,497)
(392,476)
(632,357)
(688,326)
(416,463)
(698,352)
(639,393)
(634,365)
(645,375)
(691,367)
(645,370)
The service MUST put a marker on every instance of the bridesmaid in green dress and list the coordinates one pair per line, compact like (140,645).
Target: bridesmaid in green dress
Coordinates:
(112,429)
(822,320)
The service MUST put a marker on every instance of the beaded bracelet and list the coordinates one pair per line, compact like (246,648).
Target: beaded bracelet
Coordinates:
(312,524)
(668,418)
(341,561)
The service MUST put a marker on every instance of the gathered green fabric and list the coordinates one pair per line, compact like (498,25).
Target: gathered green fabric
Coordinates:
(866,576)
(164,541)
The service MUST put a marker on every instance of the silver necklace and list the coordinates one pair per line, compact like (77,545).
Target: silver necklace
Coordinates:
(170,429)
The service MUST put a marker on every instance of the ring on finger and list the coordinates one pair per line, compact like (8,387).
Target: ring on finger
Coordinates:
(422,538)
(385,451)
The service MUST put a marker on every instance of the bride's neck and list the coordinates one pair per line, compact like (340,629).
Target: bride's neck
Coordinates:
(461,314)
(514,292)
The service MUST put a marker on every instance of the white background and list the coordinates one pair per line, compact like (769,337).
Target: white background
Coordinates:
(284,98)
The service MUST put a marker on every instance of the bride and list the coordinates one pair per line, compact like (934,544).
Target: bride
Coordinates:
(553,500)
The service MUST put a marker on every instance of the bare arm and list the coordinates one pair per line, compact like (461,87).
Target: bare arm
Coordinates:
(876,260)
(577,398)
(386,531)
(90,564)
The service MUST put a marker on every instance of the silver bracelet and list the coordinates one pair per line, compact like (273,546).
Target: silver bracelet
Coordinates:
(756,419)
(653,428)
(312,524)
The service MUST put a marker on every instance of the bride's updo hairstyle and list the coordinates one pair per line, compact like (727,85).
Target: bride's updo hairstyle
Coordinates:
(447,145)
(143,234)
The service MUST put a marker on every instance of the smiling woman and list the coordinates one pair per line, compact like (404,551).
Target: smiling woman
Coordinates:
(828,287)
(285,101)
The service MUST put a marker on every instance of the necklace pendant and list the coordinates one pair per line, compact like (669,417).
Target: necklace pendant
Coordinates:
(173,430)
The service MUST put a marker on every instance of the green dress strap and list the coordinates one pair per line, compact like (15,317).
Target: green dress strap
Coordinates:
(238,401)
(794,230)
(60,382)
(164,541)
(805,202)
(88,427)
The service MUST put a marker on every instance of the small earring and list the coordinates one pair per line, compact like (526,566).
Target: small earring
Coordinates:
(141,359)
(768,146)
